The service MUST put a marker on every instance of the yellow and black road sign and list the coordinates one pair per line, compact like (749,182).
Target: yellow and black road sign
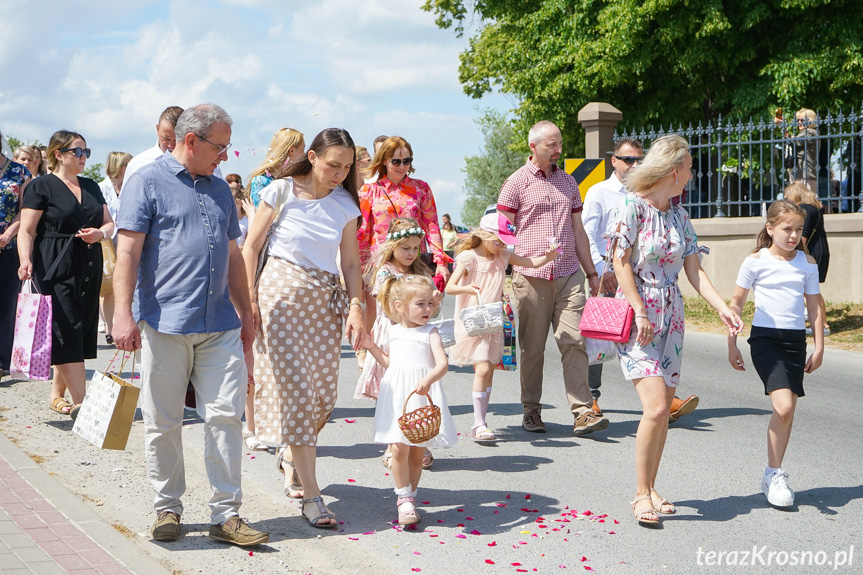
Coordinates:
(585,172)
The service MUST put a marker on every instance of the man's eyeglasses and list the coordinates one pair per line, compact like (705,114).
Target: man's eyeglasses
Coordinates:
(222,149)
(629,160)
(397,162)
(78,151)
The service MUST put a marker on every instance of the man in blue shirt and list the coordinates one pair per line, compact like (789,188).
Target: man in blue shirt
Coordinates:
(178,226)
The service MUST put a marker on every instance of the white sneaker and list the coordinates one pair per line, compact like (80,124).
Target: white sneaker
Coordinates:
(775,487)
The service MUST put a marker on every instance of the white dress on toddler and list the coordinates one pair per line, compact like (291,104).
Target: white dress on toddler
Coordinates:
(411,359)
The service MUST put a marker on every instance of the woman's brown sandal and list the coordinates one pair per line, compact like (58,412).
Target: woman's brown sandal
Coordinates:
(646,517)
(60,405)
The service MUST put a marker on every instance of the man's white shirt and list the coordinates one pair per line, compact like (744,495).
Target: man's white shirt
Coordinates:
(144,158)
(600,204)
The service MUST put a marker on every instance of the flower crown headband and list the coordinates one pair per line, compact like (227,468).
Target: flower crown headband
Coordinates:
(405,233)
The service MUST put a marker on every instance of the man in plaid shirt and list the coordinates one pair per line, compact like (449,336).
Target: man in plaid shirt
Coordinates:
(544,204)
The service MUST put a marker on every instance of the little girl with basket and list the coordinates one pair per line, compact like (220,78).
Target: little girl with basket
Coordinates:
(414,366)
(480,272)
(782,276)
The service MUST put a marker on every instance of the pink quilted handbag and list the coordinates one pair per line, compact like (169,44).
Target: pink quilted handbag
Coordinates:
(607,318)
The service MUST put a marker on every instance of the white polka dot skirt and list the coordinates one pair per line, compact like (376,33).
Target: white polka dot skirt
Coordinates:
(297,352)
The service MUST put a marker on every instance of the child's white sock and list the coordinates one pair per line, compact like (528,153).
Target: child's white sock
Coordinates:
(478,409)
(770,470)
(485,398)
(405,491)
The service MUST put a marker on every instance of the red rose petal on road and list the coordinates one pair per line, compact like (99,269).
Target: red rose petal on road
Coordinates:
(425,502)
(489,561)
(352,480)
(251,554)
(493,544)
(475,532)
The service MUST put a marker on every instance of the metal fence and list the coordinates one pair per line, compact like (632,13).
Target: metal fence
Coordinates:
(739,168)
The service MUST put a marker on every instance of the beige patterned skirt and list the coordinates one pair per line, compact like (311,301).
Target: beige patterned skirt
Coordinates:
(297,351)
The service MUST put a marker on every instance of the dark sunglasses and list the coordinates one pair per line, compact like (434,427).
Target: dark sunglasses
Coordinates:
(629,160)
(78,151)
(397,162)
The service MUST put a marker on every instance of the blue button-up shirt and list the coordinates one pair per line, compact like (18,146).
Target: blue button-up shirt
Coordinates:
(189,224)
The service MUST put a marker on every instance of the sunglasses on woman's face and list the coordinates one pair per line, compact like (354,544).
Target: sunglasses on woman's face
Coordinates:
(78,151)
(397,162)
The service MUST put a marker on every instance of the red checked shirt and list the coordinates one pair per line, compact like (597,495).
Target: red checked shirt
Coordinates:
(543,206)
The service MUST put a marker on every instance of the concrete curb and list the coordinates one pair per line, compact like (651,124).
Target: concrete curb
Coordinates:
(90,522)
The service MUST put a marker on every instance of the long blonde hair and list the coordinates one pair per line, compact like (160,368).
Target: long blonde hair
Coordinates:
(384,253)
(473,240)
(664,154)
(402,289)
(281,146)
(800,194)
(776,213)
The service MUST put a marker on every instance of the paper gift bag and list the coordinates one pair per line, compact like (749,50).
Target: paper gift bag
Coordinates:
(507,360)
(31,345)
(106,415)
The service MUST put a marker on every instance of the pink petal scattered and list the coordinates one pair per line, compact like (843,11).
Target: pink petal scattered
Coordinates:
(350,421)
(460,525)
(612,533)
(527,496)
(369,533)
(516,564)
(411,527)
(251,554)
(237,152)
(460,510)
(507,496)
(425,502)
(441,521)
(352,480)
(562,566)
(417,569)
(492,544)
(500,504)
(522,542)
(475,532)
(469,518)
(489,561)
(386,474)
(433,535)
(354,538)
(616,521)
(460,536)
(252,457)
(588,568)
(583,559)
(417,553)
(588,513)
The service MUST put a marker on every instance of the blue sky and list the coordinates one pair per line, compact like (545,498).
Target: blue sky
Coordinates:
(107,69)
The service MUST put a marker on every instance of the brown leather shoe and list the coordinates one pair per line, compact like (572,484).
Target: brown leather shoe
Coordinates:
(587,422)
(681,407)
(595,409)
(532,422)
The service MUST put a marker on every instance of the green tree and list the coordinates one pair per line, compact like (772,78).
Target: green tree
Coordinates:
(659,61)
(94,172)
(501,154)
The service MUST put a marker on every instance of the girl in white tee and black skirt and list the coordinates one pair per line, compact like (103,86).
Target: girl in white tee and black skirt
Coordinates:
(782,276)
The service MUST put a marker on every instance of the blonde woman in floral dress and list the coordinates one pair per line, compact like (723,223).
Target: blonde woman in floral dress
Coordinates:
(653,241)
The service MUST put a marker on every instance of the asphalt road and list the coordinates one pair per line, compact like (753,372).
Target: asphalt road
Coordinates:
(538,503)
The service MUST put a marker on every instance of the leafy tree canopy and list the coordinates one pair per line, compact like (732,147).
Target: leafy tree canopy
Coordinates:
(503,152)
(659,61)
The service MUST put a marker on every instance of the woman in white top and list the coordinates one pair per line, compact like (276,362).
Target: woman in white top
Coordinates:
(115,169)
(299,297)
(782,276)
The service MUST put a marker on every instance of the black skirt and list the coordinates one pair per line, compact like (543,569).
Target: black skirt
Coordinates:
(779,356)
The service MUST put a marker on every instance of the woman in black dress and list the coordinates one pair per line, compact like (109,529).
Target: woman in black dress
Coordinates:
(63,219)
(814,236)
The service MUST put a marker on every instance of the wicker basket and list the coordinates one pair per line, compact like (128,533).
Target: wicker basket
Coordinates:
(422,424)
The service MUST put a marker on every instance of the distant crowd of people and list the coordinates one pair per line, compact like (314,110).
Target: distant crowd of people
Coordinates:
(241,295)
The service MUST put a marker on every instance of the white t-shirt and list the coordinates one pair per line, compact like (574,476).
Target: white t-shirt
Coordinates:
(309,232)
(779,287)
(112,200)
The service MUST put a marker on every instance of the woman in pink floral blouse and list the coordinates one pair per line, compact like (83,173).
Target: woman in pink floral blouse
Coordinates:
(396,195)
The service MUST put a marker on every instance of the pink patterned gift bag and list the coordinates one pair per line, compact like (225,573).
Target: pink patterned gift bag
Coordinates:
(31,347)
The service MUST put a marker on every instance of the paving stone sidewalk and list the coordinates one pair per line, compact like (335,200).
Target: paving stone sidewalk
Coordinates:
(44,529)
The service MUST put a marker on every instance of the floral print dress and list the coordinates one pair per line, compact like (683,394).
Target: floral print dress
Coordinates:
(660,241)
